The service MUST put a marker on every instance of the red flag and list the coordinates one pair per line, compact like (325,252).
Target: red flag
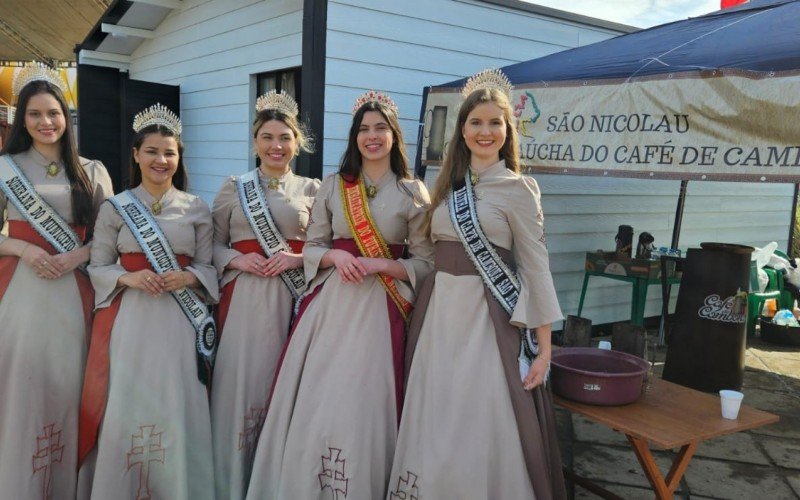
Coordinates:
(724,4)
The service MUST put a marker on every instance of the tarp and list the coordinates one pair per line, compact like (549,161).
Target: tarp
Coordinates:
(715,97)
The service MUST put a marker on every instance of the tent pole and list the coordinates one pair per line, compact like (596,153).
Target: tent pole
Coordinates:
(666,287)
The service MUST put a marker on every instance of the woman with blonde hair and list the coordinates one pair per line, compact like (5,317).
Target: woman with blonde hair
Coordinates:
(332,421)
(49,197)
(260,221)
(478,420)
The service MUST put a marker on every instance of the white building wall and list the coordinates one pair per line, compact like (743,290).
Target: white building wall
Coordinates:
(211,48)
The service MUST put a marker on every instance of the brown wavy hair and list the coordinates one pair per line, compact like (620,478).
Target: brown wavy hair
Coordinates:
(19,141)
(457,160)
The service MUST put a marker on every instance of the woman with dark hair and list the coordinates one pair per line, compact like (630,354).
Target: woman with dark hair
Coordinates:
(332,420)
(260,221)
(145,426)
(478,421)
(49,197)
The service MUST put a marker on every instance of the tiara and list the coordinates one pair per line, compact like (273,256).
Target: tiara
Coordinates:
(488,79)
(157,114)
(279,101)
(35,71)
(375,96)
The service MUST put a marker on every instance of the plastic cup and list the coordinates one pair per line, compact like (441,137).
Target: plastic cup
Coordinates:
(730,401)
(604,344)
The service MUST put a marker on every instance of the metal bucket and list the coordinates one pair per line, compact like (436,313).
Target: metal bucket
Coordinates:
(707,346)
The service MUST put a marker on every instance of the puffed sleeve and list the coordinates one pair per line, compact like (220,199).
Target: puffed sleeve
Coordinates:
(202,265)
(104,269)
(311,188)
(101,182)
(420,247)
(319,234)
(538,304)
(224,203)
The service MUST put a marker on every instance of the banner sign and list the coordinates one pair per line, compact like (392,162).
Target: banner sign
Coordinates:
(711,125)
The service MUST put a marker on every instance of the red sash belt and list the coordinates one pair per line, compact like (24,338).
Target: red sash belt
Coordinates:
(136,261)
(252,246)
(349,245)
(21,230)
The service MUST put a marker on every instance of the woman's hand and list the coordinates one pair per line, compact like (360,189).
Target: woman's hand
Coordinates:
(253,263)
(43,264)
(69,261)
(283,261)
(374,265)
(536,374)
(175,280)
(145,280)
(350,268)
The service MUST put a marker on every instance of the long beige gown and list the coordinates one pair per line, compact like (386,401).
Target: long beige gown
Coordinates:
(459,434)
(332,423)
(43,344)
(155,438)
(254,321)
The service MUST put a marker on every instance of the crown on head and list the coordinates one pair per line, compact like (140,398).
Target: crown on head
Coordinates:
(488,79)
(35,71)
(279,101)
(375,96)
(157,114)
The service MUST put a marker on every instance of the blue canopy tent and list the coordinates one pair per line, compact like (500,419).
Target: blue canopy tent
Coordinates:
(733,74)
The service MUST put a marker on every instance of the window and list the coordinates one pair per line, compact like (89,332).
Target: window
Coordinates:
(287,80)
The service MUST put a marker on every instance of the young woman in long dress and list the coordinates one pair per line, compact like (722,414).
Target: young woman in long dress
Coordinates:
(45,300)
(332,422)
(255,302)
(145,420)
(472,426)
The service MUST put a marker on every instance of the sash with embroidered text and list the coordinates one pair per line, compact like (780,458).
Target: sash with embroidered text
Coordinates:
(256,209)
(368,238)
(41,216)
(159,254)
(496,275)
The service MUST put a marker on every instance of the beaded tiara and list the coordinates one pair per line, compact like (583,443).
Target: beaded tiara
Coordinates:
(488,79)
(157,114)
(35,71)
(375,96)
(279,101)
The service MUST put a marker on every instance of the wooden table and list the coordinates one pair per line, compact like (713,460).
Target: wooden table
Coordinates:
(669,416)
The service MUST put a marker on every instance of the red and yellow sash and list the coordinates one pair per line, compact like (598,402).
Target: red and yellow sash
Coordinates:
(367,236)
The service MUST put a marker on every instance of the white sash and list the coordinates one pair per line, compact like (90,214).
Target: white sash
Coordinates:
(159,254)
(255,207)
(496,275)
(41,216)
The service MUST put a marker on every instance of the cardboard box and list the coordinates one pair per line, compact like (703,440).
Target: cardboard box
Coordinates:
(610,263)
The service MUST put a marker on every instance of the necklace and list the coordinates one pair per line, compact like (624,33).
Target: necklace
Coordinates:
(53,169)
(155,207)
(273,183)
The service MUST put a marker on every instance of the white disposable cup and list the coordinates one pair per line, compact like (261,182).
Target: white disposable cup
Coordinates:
(604,344)
(730,401)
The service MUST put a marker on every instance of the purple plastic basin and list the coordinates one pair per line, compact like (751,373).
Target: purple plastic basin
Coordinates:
(596,376)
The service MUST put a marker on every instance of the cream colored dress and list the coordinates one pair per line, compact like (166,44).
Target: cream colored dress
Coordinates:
(43,345)
(155,439)
(255,328)
(332,423)
(458,433)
